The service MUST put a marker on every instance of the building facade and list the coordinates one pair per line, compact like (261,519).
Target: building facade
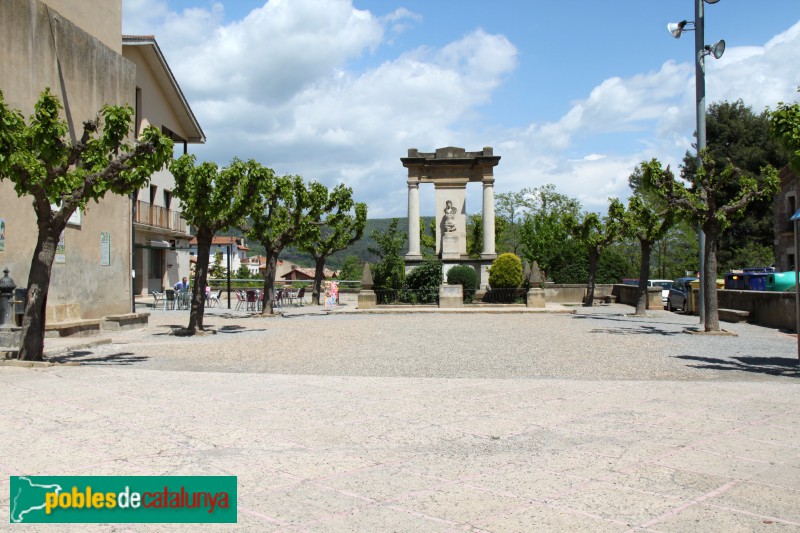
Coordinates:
(784,207)
(161,236)
(76,49)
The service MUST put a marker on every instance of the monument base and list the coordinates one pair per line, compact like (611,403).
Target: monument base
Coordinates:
(450,246)
(451,296)
(535,298)
(367,300)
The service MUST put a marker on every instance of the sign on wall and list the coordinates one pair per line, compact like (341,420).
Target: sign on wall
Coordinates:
(105,248)
(61,249)
(2,235)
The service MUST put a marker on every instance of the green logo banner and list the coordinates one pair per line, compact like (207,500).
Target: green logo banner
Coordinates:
(123,499)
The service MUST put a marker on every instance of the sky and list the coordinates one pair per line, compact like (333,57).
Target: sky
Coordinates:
(575,93)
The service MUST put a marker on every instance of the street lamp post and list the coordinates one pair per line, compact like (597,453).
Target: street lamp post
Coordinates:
(701,50)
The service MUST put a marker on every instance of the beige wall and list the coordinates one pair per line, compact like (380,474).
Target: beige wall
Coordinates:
(101,18)
(90,76)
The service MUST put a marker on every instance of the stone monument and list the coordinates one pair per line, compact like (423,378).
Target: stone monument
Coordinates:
(450,169)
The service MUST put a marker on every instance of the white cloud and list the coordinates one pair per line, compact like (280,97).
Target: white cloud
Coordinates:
(279,85)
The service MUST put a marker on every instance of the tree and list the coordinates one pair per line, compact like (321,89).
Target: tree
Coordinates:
(285,213)
(352,268)
(544,227)
(243,272)
(340,229)
(213,200)
(510,207)
(596,234)
(648,218)
(710,202)
(785,127)
(738,137)
(216,270)
(42,162)
(390,272)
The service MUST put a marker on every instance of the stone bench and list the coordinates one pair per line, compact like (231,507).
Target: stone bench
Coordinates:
(733,315)
(126,321)
(73,328)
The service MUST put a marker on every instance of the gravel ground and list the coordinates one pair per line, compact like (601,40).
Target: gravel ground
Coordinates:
(604,342)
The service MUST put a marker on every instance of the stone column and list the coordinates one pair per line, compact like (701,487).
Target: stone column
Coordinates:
(413,221)
(488,219)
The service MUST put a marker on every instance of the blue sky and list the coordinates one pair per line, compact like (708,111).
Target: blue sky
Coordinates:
(574,93)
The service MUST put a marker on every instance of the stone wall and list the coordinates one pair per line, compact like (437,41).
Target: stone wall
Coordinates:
(567,293)
(629,294)
(771,309)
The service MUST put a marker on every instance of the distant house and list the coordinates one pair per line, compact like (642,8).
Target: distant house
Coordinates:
(307,274)
(221,244)
(785,205)
(253,264)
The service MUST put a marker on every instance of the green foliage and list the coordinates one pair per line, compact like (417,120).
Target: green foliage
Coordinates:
(41,161)
(352,269)
(423,281)
(389,272)
(785,128)
(506,272)
(569,264)
(545,228)
(613,265)
(216,270)
(740,139)
(751,254)
(465,276)
(243,273)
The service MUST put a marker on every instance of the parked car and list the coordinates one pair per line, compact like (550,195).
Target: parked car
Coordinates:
(665,284)
(678,294)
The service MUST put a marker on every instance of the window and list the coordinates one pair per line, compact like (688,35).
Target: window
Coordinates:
(153,189)
(167,198)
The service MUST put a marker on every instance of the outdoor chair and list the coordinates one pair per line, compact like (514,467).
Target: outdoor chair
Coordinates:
(169,300)
(301,296)
(279,296)
(213,298)
(240,300)
(158,297)
(251,297)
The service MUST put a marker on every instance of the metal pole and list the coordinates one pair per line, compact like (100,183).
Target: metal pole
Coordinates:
(700,92)
(229,276)
(796,284)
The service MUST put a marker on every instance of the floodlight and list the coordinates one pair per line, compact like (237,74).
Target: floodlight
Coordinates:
(676,28)
(718,49)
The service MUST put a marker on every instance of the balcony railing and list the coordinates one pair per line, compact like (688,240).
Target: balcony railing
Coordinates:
(159,217)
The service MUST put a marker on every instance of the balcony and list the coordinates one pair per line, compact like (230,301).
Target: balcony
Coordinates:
(159,217)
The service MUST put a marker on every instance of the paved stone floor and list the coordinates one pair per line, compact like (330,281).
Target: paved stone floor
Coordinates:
(595,421)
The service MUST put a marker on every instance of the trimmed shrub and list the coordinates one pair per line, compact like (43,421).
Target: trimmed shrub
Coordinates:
(465,276)
(506,272)
(424,282)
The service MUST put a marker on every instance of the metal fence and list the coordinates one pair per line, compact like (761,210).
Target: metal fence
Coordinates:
(505,296)
(407,296)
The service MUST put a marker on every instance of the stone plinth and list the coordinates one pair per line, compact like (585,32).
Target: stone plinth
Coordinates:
(10,338)
(535,298)
(367,299)
(451,296)
(451,246)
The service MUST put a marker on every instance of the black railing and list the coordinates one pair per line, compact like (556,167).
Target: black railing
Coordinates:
(505,296)
(407,296)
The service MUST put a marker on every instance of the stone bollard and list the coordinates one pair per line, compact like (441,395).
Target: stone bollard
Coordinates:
(535,298)
(367,299)
(7,287)
(451,296)
(10,336)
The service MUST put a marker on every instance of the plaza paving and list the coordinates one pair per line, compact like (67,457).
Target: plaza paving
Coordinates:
(429,422)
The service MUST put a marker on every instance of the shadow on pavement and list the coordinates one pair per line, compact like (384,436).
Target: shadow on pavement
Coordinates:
(773,366)
(80,356)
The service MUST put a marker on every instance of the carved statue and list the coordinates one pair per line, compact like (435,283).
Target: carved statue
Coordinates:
(449,217)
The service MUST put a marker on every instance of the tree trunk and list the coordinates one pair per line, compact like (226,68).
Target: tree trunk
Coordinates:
(710,279)
(594,257)
(269,282)
(197,312)
(644,273)
(319,267)
(33,321)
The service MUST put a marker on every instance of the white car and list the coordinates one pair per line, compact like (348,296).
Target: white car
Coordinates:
(665,284)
